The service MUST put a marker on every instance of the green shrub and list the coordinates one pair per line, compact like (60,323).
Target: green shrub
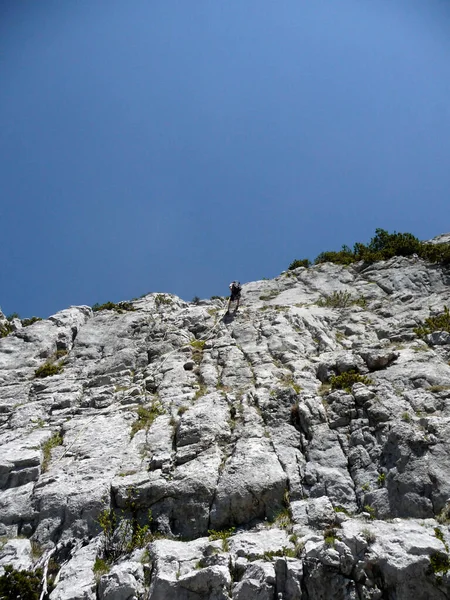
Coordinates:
(385,245)
(330,536)
(119,307)
(146,416)
(197,347)
(341,299)
(439,562)
(48,369)
(371,511)
(47,447)
(437,323)
(369,536)
(162,299)
(381,480)
(5,329)
(223,535)
(101,567)
(195,300)
(13,316)
(347,379)
(295,264)
(20,585)
(30,321)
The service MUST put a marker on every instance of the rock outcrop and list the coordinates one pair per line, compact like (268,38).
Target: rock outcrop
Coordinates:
(298,449)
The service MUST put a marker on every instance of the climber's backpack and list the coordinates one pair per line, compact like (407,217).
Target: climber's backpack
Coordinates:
(236,288)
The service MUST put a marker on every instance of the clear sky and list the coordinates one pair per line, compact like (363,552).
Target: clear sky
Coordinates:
(174,145)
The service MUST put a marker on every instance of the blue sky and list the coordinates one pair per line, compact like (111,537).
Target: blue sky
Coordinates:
(173,146)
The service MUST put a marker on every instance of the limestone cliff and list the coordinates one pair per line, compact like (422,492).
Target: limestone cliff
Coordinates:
(298,449)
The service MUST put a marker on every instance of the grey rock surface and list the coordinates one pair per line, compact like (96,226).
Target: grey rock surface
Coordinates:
(263,478)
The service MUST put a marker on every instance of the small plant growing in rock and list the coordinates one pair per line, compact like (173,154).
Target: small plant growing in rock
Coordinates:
(341,299)
(122,534)
(406,417)
(381,480)
(146,416)
(47,447)
(371,511)
(201,391)
(303,262)
(223,535)
(163,300)
(444,516)
(48,369)
(120,307)
(30,321)
(197,347)
(369,536)
(439,563)
(341,509)
(269,296)
(365,487)
(5,329)
(283,519)
(23,585)
(347,379)
(437,323)
(182,410)
(101,567)
(330,536)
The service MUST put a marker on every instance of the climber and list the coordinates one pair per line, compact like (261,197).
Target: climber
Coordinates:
(235,291)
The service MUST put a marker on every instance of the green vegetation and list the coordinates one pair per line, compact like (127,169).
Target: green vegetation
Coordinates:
(122,534)
(101,567)
(120,307)
(370,509)
(270,295)
(196,300)
(48,369)
(146,416)
(163,300)
(269,555)
(385,245)
(13,316)
(406,417)
(288,381)
(369,536)
(437,323)
(347,379)
(283,519)
(439,562)
(223,535)
(47,447)
(201,391)
(23,585)
(5,329)
(30,321)
(381,480)
(341,299)
(330,536)
(295,264)
(341,509)
(444,516)
(197,347)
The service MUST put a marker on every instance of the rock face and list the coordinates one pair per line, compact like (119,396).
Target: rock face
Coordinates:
(263,480)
